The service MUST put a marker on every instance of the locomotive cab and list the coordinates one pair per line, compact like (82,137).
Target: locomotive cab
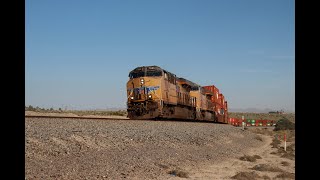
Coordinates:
(143,92)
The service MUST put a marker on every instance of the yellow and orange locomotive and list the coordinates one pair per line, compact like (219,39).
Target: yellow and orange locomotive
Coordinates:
(156,93)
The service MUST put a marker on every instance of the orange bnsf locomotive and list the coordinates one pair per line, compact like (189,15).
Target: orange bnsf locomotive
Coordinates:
(154,93)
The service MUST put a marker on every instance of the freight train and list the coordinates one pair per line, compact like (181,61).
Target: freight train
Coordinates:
(155,93)
(251,122)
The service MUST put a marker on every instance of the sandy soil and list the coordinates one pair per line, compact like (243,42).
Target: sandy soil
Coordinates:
(231,166)
(116,149)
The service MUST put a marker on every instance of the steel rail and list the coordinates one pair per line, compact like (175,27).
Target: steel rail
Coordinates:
(75,117)
(110,118)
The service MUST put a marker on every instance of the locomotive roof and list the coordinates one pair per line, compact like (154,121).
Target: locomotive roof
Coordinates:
(190,83)
(149,68)
(142,68)
(155,68)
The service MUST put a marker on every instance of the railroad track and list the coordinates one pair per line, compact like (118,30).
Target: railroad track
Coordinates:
(110,118)
(75,117)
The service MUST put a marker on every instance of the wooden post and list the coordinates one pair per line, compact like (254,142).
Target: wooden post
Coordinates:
(285,144)
(243,123)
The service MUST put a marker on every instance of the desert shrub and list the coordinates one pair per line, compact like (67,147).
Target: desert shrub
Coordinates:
(284,124)
(258,138)
(265,177)
(178,173)
(266,167)
(286,175)
(99,112)
(291,147)
(288,155)
(245,175)
(291,135)
(257,157)
(275,143)
(118,113)
(250,158)
(285,163)
(30,108)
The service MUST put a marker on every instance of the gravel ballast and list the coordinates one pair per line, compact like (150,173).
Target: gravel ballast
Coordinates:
(58,148)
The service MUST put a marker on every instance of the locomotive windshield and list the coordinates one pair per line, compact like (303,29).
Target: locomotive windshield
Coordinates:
(136,74)
(195,88)
(145,71)
(154,73)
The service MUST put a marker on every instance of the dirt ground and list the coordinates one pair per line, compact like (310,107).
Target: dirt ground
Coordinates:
(232,166)
(124,149)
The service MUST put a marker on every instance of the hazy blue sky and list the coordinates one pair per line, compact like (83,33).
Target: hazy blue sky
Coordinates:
(79,52)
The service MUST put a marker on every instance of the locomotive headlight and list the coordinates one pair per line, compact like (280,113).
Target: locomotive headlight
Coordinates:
(150,96)
(141,81)
(131,97)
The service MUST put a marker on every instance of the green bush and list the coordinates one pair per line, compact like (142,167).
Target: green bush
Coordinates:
(284,124)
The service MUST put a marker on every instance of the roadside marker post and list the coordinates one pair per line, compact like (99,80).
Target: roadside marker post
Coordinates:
(285,144)
(243,123)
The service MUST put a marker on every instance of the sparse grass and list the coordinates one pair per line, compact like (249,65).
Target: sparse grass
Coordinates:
(275,143)
(279,144)
(263,131)
(286,175)
(178,173)
(278,139)
(250,158)
(99,113)
(266,167)
(291,147)
(79,112)
(290,135)
(289,155)
(284,154)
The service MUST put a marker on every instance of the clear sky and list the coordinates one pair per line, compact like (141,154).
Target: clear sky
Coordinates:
(79,52)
